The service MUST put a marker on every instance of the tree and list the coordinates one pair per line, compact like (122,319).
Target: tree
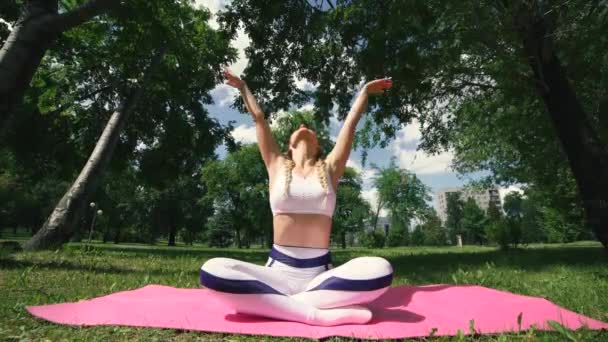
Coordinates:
(167,94)
(493,212)
(513,204)
(432,230)
(351,208)
(402,193)
(38,27)
(531,220)
(473,222)
(398,235)
(417,238)
(441,54)
(454,211)
(60,224)
(238,185)
(220,232)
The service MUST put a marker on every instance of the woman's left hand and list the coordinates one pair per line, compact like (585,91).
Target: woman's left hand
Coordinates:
(378,86)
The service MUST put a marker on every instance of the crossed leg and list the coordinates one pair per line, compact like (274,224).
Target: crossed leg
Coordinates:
(259,290)
(358,281)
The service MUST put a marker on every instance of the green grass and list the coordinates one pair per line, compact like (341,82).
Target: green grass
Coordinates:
(574,276)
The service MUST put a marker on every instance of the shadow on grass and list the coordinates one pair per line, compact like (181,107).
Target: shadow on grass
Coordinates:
(426,267)
(433,267)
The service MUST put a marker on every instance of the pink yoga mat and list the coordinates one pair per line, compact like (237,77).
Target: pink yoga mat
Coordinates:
(403,311)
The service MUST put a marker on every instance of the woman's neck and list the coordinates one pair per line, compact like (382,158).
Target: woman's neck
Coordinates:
(303,161)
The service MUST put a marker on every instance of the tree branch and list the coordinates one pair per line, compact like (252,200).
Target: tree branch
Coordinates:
(83,97)
(83,13)
(8,25)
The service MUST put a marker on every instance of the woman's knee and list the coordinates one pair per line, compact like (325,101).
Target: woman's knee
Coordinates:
(374,266)
(219,267)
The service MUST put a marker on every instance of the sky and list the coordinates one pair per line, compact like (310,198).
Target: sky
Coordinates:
(432,170)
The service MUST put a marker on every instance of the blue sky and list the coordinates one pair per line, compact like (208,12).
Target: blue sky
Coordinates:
(433,170)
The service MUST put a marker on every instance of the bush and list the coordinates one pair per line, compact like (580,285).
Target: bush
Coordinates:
(504,232)
(396,237)
(417,238)
(498,232)
(219,238)
(372,239)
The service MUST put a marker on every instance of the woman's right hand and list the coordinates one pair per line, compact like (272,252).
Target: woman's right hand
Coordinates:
(233,80)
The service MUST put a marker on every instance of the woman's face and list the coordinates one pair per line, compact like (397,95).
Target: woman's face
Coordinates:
(305,135)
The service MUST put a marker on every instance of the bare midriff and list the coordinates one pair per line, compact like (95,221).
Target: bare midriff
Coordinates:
(302,230)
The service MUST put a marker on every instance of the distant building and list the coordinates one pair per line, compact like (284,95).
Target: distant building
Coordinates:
(482,198)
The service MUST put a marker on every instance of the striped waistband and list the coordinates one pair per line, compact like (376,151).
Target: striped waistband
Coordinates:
(322,260)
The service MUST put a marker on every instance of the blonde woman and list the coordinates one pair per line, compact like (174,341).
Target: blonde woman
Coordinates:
(299,282)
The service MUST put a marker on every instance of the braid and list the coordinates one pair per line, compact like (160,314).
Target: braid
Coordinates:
(289,165)
(321,167)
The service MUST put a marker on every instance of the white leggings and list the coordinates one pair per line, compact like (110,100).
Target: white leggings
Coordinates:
(299,284)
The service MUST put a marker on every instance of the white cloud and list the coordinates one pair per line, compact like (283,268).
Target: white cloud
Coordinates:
(372,197)
(245,134)
(213,6)
(371,194)
(423,163)
(404,148)
(502,192)
(224,95)
(241,40)
(308,106)
(410,133)
(367,175)
(304,84)
(276,116)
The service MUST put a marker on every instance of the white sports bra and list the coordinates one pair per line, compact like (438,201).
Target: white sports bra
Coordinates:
(306,195)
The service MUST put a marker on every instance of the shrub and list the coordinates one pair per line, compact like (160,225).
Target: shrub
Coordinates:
(504,232)
(397,236)
(372,239)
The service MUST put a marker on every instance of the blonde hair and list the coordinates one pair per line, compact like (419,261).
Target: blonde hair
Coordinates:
(320,167)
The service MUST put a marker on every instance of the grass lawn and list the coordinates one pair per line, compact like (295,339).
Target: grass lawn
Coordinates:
(574,276)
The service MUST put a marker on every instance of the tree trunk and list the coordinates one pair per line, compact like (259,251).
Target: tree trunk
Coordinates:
(37,29)
(172,231)
(587,154)
(59,226)
(117,235)
(238,237)
(377,215)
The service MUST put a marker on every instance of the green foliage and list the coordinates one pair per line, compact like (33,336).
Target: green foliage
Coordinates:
(555,227)
(397,236)
(473,223)
(351,209)
(506,232)
(401,192)
(461,72)
(513,204)
(220,231)
(454,211)
(434,233)
(239,185)
(372,239)
(417,236)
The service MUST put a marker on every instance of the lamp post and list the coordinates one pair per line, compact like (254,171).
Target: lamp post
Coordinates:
(95,214)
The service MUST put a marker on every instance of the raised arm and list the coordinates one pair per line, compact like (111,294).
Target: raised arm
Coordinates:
(268,147)
(337,158)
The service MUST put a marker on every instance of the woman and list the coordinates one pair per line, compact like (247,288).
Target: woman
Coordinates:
(298,282)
